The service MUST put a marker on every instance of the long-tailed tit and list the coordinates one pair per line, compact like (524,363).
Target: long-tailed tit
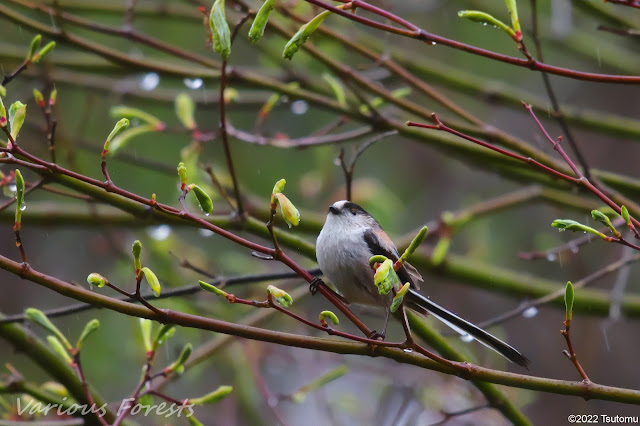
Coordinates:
(349,238)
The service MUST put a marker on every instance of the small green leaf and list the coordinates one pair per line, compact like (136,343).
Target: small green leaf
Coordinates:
(35,45)
(38,317)
(572,225)
(152,280)
(89,328)
(625,215)
(43,52)
(486,19)
(399,297)
(178,365)
(289,212)
(303,34)
(17,113)
(220,33)
(125,137)
(385,277)
(3,91)
(328,314)
(145,328)
(376,259)
(164,333)
(20,186)
(604,219)
(515,21)
(277,188)
(213,397)
(136,249)
(131,113)
(184,110)
(203,199)
(96,280)
(568,300)
(260,21)
(120,125)
(212,289)
(59,348)
(281,296)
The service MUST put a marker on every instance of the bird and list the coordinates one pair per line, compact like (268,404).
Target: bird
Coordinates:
(349,238)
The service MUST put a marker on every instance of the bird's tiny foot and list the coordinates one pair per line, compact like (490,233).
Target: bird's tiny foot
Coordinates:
(313,285)
(376,336)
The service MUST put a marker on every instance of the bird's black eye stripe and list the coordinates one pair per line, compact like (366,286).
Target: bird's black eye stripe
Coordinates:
(353,208)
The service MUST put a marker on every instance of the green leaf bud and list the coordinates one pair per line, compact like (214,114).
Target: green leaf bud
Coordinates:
(203,199)
(213,397)
(164,333)
(59,348)
(515,21)
(132,113)
(38,317)
(17,113)
(260,21)
(572,225)
(399,297)
(328,314)
(89,328)
(20,187)
(96,280)
(152,280)
(178,365)
(385,277)
(289,212)
(213,289)
(182,173)
(220,33)
(37,95)
(136,249)
(281,296)
(122,124)
(486,19)
(604,219)
(35,45)
(568,300)
(303,34)
(43,52)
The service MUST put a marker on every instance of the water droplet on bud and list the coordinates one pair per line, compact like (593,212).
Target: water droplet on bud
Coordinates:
(23,207)
(408,350)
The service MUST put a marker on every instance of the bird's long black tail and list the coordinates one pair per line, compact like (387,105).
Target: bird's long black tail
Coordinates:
(421,304)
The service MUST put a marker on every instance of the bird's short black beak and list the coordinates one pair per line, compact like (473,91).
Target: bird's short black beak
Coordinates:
(333,210)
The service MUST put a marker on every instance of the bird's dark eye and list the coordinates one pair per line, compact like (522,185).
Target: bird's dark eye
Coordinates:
(353,211)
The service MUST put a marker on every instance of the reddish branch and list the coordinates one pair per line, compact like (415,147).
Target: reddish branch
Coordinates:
(412,31)
(579,180)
